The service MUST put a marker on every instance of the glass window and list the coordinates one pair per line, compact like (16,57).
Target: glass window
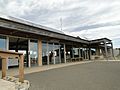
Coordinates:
(44,53)
(44,49)
(56,52)
(76,51)
(3,43)
(33,52)
(50,52)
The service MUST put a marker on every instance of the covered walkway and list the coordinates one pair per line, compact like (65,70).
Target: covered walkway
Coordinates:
(14,71)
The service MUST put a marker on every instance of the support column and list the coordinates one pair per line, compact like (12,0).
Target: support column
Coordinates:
(59,54)
(72,53)
(112,50)
(21,68)
(98,51)
(106,52)
(4,67)
(85,53)
(89,53)
(53,54)
(64,54)
(27,58)
(79,53)
(118,50)
(48,62)
(7,48)
(39,52)
(82,54)
(29,61)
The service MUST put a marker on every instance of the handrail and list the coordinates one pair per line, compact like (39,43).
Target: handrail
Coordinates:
(6,54)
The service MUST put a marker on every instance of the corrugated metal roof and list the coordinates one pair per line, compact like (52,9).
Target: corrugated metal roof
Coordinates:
(23,21)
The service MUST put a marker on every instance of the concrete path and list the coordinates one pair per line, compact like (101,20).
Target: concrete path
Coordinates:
(14,71)
(90,76)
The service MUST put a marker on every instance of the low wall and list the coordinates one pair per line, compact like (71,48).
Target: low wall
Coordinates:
(12,83)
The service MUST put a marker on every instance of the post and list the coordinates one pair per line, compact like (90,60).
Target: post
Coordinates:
(39,52)
(106,53)
(118,50)
(79,53)
(85,53)
(21,68)
(72,53)
(53,54)
(27,58)
(7,47)
(112,50)
(98,51)
(48,54)
(64,54)
(82,54)
(59,54)
(4,67)
(89,53)
(29,61)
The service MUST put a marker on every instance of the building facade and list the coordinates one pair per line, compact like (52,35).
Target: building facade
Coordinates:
(43,46)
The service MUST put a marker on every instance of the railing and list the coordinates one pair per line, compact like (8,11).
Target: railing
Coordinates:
(4,55)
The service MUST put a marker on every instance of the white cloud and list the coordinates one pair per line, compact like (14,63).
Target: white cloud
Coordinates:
(111,32)
(108,32)
(87,18)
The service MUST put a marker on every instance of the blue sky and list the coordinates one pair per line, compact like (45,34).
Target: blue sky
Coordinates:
(88,19)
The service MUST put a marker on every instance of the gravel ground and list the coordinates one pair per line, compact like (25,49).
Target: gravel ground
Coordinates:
(90,76)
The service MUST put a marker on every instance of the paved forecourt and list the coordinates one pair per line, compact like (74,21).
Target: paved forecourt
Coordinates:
(89,76)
